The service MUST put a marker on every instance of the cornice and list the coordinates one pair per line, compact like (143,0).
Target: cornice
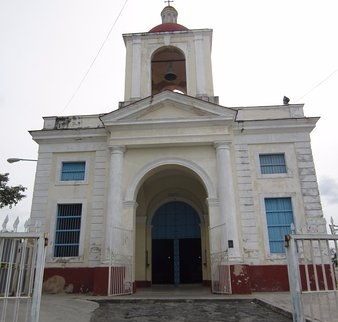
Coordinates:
(306,124)
(69,135)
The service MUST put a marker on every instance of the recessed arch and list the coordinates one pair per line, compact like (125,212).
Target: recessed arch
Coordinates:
(186,223)
(158,205)
(147,169)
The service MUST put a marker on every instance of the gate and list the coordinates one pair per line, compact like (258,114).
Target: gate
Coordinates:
(313,276)
(219,260)
(22,257)
(120,275)
(220,273)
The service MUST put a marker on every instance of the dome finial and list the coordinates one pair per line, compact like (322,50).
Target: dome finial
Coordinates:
(168,2)
(169,13)
(169,20)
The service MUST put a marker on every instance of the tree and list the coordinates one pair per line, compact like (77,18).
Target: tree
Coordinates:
(9,196)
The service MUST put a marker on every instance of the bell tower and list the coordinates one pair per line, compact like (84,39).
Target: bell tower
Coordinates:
(169,57)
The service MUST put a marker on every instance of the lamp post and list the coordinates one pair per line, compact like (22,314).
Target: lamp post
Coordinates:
(12,160)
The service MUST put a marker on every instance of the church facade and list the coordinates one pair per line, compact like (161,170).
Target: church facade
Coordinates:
(171,187)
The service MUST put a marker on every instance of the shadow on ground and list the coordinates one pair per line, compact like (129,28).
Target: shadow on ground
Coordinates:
(187,311)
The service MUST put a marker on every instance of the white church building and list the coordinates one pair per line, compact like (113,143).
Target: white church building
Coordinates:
(171,187)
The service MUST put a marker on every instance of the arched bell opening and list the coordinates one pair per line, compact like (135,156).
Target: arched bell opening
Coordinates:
(168,71)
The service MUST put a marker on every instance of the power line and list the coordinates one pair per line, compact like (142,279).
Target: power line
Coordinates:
(320,83)
(95,58)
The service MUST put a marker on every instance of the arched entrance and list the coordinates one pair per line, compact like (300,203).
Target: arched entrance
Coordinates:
(176,245)
(163,185)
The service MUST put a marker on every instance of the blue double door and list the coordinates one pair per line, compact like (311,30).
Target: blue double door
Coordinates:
(176,245)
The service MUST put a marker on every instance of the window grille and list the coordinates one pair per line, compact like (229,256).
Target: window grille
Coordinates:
(279,216)
(272,163)
(67,233)
(73,171)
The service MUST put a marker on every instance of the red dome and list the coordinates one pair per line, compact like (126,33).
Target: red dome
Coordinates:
(169,26)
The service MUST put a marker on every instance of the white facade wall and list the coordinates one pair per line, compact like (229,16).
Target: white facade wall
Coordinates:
(148,140)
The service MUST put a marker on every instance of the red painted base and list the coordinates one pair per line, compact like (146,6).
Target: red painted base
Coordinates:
(269,278)
(245,279)
(85,280)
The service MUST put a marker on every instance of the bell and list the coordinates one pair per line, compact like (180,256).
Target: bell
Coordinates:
(170,74)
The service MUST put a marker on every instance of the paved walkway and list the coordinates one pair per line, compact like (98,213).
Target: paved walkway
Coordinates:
(177,304)
(158,304)
(66,308)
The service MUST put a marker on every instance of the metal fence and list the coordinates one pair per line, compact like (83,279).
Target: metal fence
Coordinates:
(313,276)
(22,257)
(120,275)
(220,273)
(219,260)
(120,278)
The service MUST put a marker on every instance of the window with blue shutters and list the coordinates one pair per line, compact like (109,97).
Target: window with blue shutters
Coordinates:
(67,232)
(73,171)
(272,163)
(279,216)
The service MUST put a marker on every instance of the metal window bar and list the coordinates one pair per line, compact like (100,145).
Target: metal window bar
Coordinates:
(272,163)
(73,171)
(279,215)
(22,257)
(312,277)
(68,228)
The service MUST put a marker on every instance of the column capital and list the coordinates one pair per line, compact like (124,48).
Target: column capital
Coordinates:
(222,145)
(117,149)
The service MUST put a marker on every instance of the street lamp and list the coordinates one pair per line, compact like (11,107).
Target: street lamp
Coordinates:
(12,160)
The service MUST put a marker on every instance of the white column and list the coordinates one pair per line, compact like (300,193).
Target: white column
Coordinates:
(114,200)
(226,196)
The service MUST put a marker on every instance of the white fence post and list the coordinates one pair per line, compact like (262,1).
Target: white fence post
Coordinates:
(294,279)
(40,263)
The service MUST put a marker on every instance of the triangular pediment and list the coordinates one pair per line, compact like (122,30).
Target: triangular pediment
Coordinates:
(169,106)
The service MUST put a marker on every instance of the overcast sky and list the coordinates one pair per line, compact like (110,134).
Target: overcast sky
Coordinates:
(262,50)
